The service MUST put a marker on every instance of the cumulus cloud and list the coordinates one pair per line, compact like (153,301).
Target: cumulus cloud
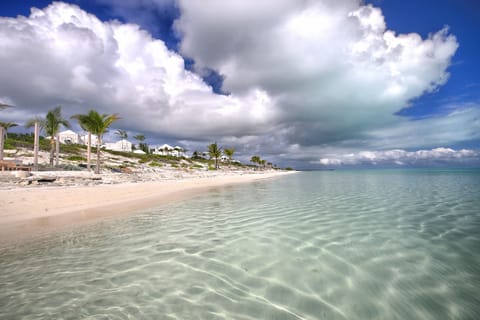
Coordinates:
(307,78)
(399,157)
(333,66)
(63,55)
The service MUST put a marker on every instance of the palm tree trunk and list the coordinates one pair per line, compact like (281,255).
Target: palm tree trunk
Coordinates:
(89,150)
(2,141)
(57,148)
(97,167)
(35,146)
(52,149)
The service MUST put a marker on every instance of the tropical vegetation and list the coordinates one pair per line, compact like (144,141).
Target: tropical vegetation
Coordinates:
(86,122)
(229,152)
(98,125)
(4,126)
(141,144)
(215,153)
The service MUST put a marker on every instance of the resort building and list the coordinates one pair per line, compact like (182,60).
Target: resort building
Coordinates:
(122,145)
(84,140)
(167,150)
(69,137)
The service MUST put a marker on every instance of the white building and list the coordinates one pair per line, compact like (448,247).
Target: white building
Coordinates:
(122,145)
(84,140)
(69,137)
(167,150)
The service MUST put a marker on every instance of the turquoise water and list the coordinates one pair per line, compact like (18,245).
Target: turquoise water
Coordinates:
(314,245)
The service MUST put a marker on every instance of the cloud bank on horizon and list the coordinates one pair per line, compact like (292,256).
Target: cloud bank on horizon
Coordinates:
(309,82)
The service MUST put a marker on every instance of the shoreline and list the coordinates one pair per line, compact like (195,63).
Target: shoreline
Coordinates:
(29,211)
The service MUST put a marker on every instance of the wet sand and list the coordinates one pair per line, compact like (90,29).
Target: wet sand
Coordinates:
(25,212)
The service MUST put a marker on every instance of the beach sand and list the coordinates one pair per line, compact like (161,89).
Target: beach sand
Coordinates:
(27,211)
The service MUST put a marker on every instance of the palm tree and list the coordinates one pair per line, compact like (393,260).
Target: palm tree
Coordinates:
(255,159)
(4,126)
(214,152)
(229,153)
(140,138)
(123,135)
(98,125)
(53,122)
(2,106)
(86,123)
(262,163)
(37,123)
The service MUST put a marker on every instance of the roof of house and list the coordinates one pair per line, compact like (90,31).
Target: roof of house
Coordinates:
(166,146)
(67,132)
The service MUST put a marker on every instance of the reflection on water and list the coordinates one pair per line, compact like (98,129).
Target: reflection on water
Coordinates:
(326,245)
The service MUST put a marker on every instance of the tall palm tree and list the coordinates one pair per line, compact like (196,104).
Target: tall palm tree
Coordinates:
(98,125)
(4,126)
(262,163)
(255,159)
(53,122)
(123,135)
(37,123)
(229,153)
(214,152)
(2,106)
(141,145)
(86,123)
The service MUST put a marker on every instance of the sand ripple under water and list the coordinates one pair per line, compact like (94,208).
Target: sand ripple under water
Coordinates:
(326,245)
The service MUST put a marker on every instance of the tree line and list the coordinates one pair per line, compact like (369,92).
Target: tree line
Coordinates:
(95,124)
(92,122)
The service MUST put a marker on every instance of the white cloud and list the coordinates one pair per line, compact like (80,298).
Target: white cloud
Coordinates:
(333,67)
(307,78)
(460,125)
(399,157)
(63,55)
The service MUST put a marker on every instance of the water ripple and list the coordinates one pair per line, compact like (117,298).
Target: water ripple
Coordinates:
(330,245)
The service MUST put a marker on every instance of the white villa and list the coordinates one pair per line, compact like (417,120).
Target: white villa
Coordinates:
(167,150)
(122,145)
(84,140)
(69,137)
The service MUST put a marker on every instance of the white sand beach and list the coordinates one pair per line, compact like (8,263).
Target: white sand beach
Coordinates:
(26,211)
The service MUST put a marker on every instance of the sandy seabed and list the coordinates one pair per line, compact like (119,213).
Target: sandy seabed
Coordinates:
(25,211)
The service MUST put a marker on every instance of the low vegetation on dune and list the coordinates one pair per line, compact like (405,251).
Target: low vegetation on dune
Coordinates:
(74,157)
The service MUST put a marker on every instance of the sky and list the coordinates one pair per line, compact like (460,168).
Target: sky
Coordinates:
(307,84)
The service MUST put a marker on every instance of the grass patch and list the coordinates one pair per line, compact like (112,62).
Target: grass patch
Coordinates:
(76,158)
(155,164)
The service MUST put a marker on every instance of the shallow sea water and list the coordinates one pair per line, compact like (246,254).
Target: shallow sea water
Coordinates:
(386,244)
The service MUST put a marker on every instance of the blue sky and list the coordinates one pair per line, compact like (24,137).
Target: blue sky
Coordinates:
(308,85)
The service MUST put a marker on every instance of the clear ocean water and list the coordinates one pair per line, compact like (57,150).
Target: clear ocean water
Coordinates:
(385,244)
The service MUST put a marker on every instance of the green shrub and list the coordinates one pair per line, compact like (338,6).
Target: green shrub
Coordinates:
(8,145)
(76,158)
(155,164)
